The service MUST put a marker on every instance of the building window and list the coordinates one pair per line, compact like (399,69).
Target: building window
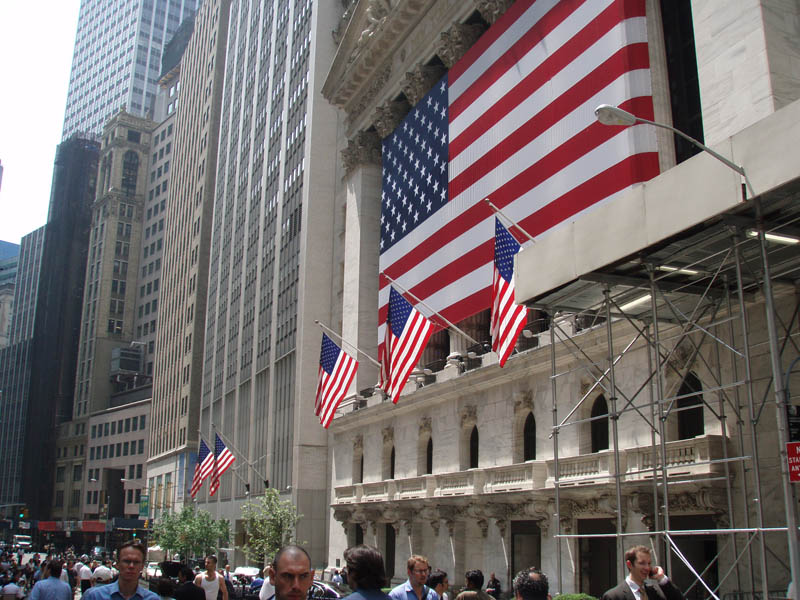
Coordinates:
(130,171)
(599,424)
(429,456)
(77,472)
(690,408)
(60,473)
(473,448)
(529,438)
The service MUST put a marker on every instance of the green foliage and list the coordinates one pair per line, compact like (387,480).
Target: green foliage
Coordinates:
(191,532)
(269,524)
(574,597)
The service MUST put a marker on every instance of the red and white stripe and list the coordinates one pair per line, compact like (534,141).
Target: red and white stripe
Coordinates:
(523,132)
(508,318)
(331,389)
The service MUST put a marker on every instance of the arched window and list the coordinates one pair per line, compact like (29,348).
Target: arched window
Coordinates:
(599,425)
(429,457)
(473,448)
(690,408)
(130,171)
(529,438)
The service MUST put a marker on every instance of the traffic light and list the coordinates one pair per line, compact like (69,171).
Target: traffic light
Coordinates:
(134,533)
(146,522)
(23,512)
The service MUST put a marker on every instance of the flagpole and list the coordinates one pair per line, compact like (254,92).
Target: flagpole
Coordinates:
(514,223)
(343,341)
(236,451)
(449,324)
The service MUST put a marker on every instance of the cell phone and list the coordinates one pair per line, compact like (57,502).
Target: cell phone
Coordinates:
(653,572)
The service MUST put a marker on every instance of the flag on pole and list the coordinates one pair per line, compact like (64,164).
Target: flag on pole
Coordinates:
(513,120)
(508,318)
(336,372)
(202,468)
(407,332)
(223,459)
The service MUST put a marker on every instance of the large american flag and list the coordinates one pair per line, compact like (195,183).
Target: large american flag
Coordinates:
(202,469)
(508,318)
(407,332)
(224,459)
(336,372)
(513,120)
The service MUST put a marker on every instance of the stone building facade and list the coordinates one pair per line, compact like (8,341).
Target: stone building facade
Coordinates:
(499,469)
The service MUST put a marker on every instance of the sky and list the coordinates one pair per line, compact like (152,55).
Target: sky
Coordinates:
(36,41)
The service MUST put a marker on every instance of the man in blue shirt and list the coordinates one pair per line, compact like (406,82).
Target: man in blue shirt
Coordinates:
(126,587)
(51,587)
(415,588)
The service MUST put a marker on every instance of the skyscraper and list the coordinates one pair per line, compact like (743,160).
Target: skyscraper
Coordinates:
(15,366)
(271,264)
(183,273)
(117,58)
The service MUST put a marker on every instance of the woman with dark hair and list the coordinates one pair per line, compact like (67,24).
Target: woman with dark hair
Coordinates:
(365,573)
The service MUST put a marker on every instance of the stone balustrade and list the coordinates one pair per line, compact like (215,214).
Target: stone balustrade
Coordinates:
(685,458)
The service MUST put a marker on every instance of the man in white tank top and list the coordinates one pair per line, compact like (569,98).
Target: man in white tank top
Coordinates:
(211,581)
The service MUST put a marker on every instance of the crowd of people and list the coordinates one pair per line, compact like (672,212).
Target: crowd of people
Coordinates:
(290,576)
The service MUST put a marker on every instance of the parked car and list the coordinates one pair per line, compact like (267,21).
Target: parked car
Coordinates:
(327,589)
(152,570)
(167,569)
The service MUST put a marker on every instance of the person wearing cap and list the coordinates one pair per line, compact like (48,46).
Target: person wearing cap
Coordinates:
(101,575)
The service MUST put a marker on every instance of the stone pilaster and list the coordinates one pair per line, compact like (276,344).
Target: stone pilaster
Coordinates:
(361,250)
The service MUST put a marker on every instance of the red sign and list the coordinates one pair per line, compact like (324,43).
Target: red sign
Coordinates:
(793,456)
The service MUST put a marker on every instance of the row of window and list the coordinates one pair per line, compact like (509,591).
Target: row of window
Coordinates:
(116,450)
(120,426)
(151,286)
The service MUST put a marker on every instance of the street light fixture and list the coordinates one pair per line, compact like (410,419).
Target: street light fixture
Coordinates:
(613,115)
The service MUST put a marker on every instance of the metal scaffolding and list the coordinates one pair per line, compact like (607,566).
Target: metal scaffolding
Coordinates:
(688,303)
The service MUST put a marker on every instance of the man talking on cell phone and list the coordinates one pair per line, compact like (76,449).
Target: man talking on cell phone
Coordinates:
(640,568)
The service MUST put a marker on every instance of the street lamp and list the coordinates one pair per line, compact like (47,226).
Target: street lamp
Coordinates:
(613,115)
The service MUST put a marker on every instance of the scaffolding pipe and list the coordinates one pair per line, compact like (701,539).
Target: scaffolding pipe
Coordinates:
(614,431)
(661,418)
(780,409)
(748,376)
(557,475)
(740,433)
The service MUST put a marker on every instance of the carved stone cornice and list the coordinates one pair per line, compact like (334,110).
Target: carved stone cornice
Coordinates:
(469,416)
(368,94)
(363,149)
(373,32)
(491,10)
(702,501)
(456,41)
(388,436)
(418,82)
(389,115)
(424,427)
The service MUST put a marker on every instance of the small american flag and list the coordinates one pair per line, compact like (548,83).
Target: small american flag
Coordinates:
(336,372)
(508,318)
(407,332)
(224,459)
(202,468)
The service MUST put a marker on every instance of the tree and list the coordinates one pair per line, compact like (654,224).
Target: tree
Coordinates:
(191,532)
(269,524)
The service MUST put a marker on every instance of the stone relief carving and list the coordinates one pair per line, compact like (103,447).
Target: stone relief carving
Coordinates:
(358,444)
(523,402)
(388,436)
(363,149)
(469,416)
(377,11)
(491,10)
(424,426)
(456,41)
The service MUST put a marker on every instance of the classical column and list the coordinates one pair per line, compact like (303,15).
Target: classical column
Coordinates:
(362,162)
